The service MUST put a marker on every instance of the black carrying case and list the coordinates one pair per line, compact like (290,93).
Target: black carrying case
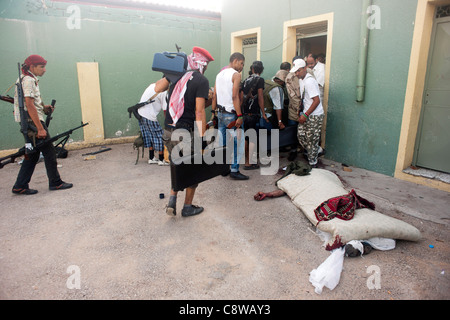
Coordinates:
(188,173)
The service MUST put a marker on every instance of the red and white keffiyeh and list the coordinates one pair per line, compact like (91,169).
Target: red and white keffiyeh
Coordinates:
(197,61)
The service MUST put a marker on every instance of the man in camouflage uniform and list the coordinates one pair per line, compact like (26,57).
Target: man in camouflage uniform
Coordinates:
(311,117)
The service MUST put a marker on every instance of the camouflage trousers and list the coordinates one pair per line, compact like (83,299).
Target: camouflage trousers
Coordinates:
(308,135)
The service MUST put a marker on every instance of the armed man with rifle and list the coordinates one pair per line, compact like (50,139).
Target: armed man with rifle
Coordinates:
(30,111)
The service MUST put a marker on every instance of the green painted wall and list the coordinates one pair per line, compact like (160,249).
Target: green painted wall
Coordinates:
(364,134)
(122,41)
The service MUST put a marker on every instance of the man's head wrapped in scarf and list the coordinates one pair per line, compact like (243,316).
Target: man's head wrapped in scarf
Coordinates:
(34,60)
(197,61)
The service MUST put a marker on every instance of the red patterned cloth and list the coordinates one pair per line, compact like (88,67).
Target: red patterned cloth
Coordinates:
(342,207)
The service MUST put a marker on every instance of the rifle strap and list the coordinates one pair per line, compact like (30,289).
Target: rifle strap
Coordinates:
(141,104)
(9,88)
(152,97)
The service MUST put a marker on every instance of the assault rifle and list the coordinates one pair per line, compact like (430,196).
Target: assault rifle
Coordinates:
(134,109)
(23,115)
(22,151)
(49,115)
(7,99)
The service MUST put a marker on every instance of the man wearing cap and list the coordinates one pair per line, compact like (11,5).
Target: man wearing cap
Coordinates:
(293,89)
(311,117)
(186,111)
(33,67)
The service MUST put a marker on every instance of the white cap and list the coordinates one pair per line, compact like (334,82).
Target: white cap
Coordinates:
(299,63)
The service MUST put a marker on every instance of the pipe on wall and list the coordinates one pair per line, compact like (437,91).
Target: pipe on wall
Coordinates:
(363,50)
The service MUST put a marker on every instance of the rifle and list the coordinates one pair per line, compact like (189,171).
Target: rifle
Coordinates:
(23,115)
(11,100)
(49,115)
(23,151)
(134,109)
(7,99)
(96,152)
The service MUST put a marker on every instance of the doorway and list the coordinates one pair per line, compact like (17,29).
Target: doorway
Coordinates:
(312,38)
(250,52)
(432,149)
(311,35)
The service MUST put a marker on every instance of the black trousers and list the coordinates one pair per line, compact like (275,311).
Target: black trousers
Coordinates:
(29,163)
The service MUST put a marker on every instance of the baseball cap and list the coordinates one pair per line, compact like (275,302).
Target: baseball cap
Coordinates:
(299,63)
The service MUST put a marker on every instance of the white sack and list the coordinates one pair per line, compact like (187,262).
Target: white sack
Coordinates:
(309,191)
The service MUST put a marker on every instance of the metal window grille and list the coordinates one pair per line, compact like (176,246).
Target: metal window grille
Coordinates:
(443,11)
(249,41)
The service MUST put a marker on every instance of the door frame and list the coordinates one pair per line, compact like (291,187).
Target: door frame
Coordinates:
(420,49)
(290,49)
(238,37)
(427,77)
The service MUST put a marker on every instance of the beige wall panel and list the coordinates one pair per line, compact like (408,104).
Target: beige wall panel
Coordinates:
(90,98)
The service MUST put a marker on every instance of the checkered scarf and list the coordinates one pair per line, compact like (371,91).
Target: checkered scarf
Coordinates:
(196,62)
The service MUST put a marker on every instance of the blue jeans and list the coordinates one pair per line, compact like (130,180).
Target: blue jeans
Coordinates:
(263,124)
(292,123)
(237,135)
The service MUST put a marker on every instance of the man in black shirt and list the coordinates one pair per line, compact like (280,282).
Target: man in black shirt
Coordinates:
(186,110)
(252,98)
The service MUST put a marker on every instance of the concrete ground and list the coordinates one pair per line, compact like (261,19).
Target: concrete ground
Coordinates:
(109,237)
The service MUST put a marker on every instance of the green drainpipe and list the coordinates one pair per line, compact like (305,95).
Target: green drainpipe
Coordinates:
(363,49)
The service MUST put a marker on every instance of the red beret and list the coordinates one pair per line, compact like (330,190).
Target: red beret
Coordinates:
(203,52)
(35,59)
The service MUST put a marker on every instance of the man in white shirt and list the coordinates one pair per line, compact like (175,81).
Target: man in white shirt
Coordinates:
(274,101)
(318,69)
(227,101)
(150,128)
(311,117)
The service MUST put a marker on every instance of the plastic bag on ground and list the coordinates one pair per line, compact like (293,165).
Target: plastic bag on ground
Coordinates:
(381,243)
(328,273)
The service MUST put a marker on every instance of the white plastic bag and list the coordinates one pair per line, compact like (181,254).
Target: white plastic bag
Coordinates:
(381,243)
(328,273)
